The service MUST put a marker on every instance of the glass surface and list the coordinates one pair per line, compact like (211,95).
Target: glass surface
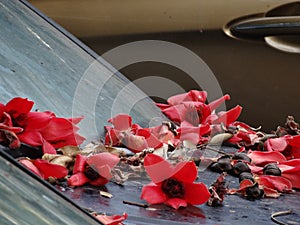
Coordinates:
(40,63)
(25,201)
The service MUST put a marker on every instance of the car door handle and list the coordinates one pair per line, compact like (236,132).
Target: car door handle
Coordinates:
(257,28)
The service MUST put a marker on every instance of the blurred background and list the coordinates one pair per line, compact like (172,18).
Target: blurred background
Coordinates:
(263,79)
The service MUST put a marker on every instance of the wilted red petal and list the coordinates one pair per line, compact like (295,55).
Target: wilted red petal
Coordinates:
(78,179)
(192,133)
(275,182)
(151,140)
(193,95)
(121,122)
(58,128)
(50,169)
(162,106)
(276,144)
(80,162)
(271,193)
(98,161)
(72,139)
(158,168)
(245,183)
(215,104)
(262,158)
(29,165)
(175,113)
(112,220)
(112,137)
(196,193)
(153,194)
(176,203)
(230,116)
(18,106)
(186,172)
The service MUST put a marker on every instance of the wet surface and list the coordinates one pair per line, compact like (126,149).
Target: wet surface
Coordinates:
(235,209)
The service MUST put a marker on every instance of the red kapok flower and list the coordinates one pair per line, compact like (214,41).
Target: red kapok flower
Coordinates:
(95,170)
(130,135)
(41,128)
(173,185)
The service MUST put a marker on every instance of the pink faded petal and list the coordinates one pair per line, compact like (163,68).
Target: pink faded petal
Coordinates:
(112,137)
(112,220)
(80,162)
(104,171)
(271,193)
(255,169)
(121,122)
(193,134)
(293,177)
(215,104)
(263,158)
(196,193)
(276,144)
(275,182)
(76,120)
(153,194)
(29,165)
(99,160)
(38,120)
(176,203)
(18,106)
(50,169)
(135,143)
(186,172)
(230,116)
(78,179)
(157,168)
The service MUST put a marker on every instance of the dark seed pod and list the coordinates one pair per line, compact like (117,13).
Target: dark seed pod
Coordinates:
(241,156)
(271,169)
(239,168)
(222,165)
(246,176)
(254,192)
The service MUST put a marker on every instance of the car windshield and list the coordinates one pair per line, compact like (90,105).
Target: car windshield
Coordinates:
(40,63)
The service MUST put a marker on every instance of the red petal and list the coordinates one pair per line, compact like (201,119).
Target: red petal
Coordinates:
(153,194)
(271,193)
(294,178)
(263,158)
(121,122)
(215,104)
(192,133)
(18,106)
(99,181)
(79,164)
(29,165)
(33,138)
(162,106)
(230,116)
(77,179)
(112,137)
(135,143)
(245,183)
(295,141)
(176,203)
(193,95)
(48,148)
(196,193)
(151,140)
(158,168)
(175,113)
(50,169)
(103,163)
(275,182)
(186,172)
(112,220)
(38,120)
(276,144)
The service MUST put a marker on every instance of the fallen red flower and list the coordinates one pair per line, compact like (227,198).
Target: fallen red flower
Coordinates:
(40,128)
(134,137)
(95,170)
(173,185)
(112,220)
